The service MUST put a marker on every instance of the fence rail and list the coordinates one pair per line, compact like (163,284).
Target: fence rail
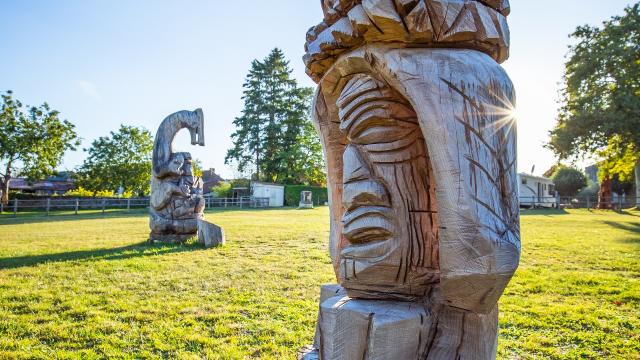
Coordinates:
(48,205)
(579,202)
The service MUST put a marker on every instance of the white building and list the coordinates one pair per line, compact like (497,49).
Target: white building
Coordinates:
(274,192)
(536,191)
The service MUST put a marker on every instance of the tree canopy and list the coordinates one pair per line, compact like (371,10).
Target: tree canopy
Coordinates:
(32,139)
(569,181)
(600,115)
(274,133)
(121,160)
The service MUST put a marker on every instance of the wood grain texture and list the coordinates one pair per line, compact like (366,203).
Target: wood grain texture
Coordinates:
(350,328)
(415,118)
(421,157)
(462,100)
(177,202)
(210,235)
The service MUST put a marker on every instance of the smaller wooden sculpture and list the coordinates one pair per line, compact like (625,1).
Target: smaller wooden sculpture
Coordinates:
(177,202)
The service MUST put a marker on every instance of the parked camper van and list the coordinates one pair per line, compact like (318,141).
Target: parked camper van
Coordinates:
(536,192)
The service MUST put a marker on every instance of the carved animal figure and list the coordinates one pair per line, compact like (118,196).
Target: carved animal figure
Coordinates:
(176,194)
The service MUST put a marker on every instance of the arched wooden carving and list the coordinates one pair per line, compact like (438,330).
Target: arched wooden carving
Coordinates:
(415,116)
(177,202)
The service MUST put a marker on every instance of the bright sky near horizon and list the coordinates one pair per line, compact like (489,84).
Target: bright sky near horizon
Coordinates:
(103,63)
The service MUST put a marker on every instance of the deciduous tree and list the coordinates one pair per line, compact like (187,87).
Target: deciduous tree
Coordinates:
(569,181)
(121,160)
(33,139)
(601,96)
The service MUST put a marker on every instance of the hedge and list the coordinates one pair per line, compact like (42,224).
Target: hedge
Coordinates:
(292,194)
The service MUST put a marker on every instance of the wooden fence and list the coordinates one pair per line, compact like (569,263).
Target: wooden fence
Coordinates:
(578,202)
(48,205)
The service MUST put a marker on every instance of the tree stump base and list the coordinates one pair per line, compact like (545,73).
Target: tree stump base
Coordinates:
(351,328)
(170,239)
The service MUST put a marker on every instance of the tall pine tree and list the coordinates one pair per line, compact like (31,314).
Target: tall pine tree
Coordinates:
(274,134)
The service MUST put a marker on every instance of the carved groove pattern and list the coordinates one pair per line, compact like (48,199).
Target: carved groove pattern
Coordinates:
(348,24)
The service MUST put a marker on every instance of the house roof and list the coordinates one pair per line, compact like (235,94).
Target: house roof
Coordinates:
(529,176)
(56,185)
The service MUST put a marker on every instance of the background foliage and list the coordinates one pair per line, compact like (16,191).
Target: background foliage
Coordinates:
(601,96)
(292,194)
(569,181)
(121,160)
(274,134)
(33,138)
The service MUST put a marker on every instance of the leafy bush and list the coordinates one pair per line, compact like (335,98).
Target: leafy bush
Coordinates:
(292,194)
(82,192)
(569,181)
(223,190)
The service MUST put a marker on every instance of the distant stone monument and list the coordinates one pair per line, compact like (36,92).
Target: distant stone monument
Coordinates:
(306,200)
(414,114)
(177,201)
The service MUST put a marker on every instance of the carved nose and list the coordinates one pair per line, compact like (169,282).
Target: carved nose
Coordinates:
(359,186)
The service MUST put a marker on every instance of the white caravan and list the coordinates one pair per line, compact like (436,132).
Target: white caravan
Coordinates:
(536,192)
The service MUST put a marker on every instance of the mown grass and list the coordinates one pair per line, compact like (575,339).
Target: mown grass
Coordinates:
(89,287)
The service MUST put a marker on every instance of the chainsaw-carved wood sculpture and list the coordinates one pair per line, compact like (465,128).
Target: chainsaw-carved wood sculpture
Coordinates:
(415,116)
(177,201)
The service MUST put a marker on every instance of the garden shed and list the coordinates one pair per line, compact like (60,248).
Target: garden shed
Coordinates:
(274,192)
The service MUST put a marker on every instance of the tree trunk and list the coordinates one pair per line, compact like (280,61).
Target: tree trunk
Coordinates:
(638,185)
(606,194)
(5,189)
(4,183)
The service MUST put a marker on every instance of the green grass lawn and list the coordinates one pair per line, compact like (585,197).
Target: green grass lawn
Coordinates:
(89,287)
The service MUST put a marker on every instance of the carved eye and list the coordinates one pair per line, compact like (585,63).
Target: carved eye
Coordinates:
(379,133)
(378,121)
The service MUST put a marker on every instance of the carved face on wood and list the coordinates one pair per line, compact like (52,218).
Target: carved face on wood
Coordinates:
(389,220)
(421,159)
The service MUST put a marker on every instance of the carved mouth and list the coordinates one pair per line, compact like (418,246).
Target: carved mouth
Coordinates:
(367,224)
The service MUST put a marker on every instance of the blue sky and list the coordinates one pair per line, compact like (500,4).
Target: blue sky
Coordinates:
(103,63)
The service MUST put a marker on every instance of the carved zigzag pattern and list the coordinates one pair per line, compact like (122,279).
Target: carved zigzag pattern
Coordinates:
(348,24)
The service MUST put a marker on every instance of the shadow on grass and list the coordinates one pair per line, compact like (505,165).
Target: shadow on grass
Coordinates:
(546,212)
(35,218)
(634,213)
(56,217)
(121,253)
(634,228)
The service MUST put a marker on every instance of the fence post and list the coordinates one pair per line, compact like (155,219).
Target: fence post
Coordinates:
(128,204)
(588,203)
(225,202)
(77,206)
(48,205)
(620,202)
(15,207)
(104,203)
(1,207)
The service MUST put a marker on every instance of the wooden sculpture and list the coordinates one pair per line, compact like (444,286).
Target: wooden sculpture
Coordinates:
(177,202)
(415,116)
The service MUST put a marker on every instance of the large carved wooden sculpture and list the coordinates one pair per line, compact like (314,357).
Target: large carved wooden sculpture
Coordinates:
(415,117)
(177,202)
